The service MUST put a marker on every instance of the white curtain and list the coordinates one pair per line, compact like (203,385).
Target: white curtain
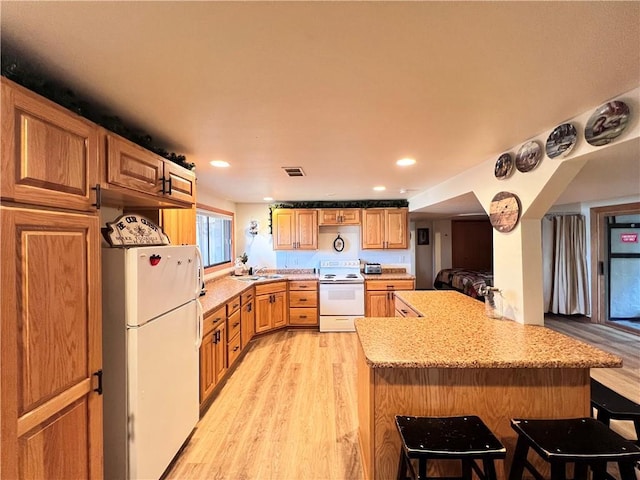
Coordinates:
(566,285)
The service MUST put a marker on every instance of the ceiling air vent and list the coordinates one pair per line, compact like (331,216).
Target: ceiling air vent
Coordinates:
(293,171)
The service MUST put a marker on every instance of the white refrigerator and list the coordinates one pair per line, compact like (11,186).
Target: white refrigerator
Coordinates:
(152,331)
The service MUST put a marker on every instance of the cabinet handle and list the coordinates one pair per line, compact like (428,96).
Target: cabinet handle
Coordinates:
(236,324)
(303,316)
(236,348)
(249,307)
(303,299)
(98,389)
(403,311)
(98,191)
(165,181)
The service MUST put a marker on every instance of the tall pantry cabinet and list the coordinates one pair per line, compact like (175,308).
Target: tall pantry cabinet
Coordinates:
(50,330)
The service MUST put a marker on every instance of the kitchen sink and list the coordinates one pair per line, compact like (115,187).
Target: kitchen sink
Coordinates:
(253,278)
(248,279)
(273,275)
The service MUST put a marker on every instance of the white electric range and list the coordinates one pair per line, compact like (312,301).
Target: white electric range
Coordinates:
(341,295)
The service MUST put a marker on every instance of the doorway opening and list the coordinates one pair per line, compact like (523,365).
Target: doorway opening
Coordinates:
(615,260)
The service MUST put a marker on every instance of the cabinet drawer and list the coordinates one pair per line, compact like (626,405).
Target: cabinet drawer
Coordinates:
(233,305)
(212,319)
(309,285)
(247,296)
(303,299)
(404,310)
(233,349)
(303,316)
(389,285)
(233,325)
(268,288)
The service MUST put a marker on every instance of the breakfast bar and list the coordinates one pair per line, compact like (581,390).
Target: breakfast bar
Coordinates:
(454,360)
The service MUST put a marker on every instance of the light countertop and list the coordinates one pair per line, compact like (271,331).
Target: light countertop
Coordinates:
(454,332)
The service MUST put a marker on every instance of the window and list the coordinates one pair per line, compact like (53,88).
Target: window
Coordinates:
(214,236)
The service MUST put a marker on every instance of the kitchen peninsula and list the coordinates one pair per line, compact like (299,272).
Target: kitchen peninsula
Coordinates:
(453,360)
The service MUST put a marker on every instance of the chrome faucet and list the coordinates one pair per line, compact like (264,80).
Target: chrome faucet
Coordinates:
(258,270)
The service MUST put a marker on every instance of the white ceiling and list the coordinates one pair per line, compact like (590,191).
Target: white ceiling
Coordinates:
(341,89)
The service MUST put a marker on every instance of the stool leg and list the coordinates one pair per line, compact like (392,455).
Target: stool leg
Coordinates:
(422,468)
(626,470)
(599,470)
(558,471)
(402,466)
(603,417)
(636,423)
(580,471)
(467,469)
(519,459)
(489,469)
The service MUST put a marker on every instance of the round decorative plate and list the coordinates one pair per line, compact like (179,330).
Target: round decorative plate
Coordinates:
(528,156)
(504,211)
(561,141)
(606,123)
(504,166)
(338,244)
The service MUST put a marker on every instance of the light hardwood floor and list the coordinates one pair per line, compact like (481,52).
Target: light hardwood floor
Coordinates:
(289,410)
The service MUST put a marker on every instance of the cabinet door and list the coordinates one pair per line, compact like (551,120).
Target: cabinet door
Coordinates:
(373,228)
(207,365)
(284,229)
(263,313)
(307,229)
(377,304)
(220,347)
(350,216)
(180,184)
(396,230)
(179,224)
(248,319)
(49,155)
(329,217)
(279,310)
(50,345)
(133,167)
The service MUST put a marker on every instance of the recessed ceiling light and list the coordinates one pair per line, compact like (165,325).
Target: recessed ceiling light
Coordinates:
(403,190)
(404,162)
(267,199)
(219,163)
(379,188)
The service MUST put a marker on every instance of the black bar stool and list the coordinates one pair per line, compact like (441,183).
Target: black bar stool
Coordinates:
(584,442)
(464,438)
(610,405)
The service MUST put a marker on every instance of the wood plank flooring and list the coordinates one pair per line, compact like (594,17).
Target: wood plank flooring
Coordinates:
(287,412)
(289,409)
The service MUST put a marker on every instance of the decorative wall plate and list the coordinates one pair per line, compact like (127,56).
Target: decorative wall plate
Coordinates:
(134,230)
(504,211)
(606,123)
(528,156)
(504,166)
(561,141)
(338,244)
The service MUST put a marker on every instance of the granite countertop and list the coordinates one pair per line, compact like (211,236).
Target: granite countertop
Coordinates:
(455,333)
(223,289)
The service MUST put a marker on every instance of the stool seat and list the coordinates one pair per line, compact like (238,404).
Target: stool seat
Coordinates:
(610,405)
(464,438)
(583,441)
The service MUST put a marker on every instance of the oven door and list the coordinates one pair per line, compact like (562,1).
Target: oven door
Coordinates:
(342,299)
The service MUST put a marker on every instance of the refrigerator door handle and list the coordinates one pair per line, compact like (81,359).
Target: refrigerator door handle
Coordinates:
(200,324)
(200,279)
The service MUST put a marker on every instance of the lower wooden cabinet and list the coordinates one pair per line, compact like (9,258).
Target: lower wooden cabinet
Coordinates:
(379,296)
(303,303)
(271,306)
(233,330)
(247,317)
(213,352)
(50,345)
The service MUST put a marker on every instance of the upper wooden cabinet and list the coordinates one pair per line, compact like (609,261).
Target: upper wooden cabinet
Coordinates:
(136,176)
(49,154)
(385,228)
(295,229)
(349,216)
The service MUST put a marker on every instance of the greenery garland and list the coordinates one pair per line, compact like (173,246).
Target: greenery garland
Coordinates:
(26,76)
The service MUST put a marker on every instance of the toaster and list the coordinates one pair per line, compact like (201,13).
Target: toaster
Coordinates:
(372,268)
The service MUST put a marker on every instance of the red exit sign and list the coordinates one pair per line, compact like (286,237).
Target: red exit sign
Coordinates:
(629,237)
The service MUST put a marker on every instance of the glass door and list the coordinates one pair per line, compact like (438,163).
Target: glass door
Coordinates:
(623,268)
